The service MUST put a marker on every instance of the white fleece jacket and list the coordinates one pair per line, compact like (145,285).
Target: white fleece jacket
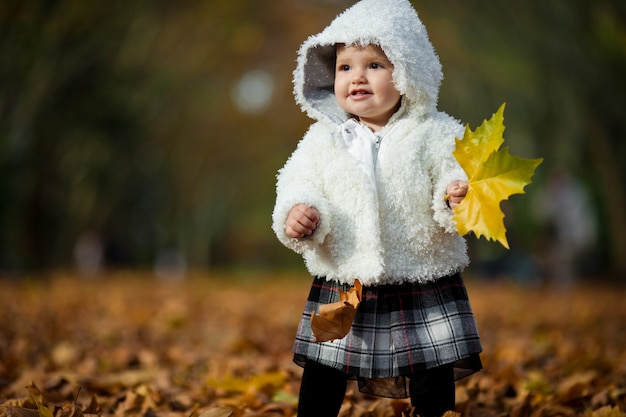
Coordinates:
(400,229)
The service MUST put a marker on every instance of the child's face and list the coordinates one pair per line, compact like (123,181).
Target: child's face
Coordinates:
(364,84)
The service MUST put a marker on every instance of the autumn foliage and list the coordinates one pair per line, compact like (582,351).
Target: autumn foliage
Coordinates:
(334,320)
(130,345)
(493,176)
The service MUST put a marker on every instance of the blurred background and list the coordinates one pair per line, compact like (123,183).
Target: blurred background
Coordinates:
(148,134)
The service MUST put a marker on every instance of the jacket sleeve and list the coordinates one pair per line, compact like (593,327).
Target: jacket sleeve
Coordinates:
(445,168)
(300,182)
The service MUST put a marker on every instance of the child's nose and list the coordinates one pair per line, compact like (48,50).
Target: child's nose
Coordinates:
(358,76)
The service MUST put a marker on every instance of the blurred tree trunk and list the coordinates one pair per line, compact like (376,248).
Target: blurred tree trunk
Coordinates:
(601,79)
(607,166)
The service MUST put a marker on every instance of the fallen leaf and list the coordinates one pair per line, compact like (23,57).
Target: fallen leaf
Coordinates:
(335,319)
(547,353)
(493,175)
(10,411)
(217,412)
(267,382)
(36,396)
(606,411)
(522,408)
(93,408)
(285,397)
(576,387)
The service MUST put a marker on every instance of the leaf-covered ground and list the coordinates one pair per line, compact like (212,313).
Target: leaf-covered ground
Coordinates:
(131,345)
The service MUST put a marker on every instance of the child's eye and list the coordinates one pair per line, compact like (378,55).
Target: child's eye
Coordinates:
(344,67)
(375,66)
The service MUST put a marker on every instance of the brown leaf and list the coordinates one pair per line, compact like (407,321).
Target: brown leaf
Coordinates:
(93,407)
(523,408)
(606,411)
(34,394)
(386,407)
(218,412)
(10,411)
(133,403)
(601,399)
(67,410)
(576,386)
(335,319)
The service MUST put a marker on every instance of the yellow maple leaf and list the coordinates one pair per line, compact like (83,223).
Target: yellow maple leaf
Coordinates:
(493,175)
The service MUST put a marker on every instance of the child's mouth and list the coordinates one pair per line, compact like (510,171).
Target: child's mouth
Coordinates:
(359,93)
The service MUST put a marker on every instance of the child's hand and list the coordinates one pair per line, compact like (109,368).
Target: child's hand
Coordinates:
(456,192)
(302,221)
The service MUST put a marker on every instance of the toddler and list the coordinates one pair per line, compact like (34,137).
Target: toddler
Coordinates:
(368,194)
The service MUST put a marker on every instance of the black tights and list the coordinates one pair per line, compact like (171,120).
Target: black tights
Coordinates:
(323,389)
(432,392)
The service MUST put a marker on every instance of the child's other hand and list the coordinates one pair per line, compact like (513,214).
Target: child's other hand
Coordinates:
(302,221)
(456,192)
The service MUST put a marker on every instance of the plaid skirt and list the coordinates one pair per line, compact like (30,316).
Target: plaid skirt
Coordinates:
(400,331)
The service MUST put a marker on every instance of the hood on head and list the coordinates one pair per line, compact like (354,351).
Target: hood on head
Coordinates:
(393,25)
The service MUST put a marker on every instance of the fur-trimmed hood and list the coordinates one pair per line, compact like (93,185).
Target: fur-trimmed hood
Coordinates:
(391,24)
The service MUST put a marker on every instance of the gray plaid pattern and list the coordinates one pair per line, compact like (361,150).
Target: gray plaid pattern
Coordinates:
(398,331)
